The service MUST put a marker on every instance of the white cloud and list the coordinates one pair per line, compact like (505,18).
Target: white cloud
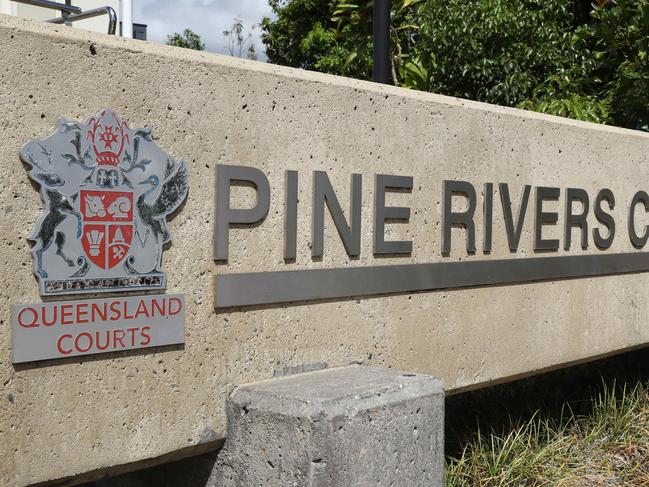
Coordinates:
(208,18)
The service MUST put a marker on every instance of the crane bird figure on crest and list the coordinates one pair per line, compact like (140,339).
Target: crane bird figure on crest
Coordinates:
(170,197)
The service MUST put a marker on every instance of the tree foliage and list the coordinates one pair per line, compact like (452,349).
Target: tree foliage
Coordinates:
(495,51)
(305,36)
(619,41)
(568,58)
(188,39)
(332,36)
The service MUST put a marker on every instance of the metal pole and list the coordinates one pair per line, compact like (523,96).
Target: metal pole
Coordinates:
(52,5)
(95,12)
(381,33)
(127,18)
(65,14)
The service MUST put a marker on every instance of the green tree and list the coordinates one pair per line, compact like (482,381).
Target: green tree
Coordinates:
(568,58)
(188,39)
(354,24)
(490,50)
(616,88)
(496,51)
(333,36)
(619,39)
(304,36)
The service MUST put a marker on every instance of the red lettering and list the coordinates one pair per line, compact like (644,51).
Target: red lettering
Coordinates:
(100,341)
(141,309)
(81,314)
(66,312)
(59,344)
(76,342)
(160,305)
(115,313)
(179,306)
(98,338)
(126,315)
(132,330)
(31,324)
(96,310)
(44,312)
(146,338)
(120,339)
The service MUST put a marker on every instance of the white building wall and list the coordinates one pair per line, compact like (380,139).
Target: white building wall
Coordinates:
(96,24)
(7,7)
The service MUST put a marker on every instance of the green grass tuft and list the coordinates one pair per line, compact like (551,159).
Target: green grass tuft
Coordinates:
(608,446)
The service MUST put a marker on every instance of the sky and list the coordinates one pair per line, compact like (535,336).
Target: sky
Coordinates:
(208,18)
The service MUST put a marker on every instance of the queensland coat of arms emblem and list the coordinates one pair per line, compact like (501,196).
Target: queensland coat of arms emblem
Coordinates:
(107,190)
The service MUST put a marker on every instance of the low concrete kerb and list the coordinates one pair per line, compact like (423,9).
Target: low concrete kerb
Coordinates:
(350,426)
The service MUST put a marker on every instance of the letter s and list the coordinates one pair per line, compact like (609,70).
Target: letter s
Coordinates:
(146,338)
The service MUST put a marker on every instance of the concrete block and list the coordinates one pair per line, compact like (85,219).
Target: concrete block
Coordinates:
(348,426)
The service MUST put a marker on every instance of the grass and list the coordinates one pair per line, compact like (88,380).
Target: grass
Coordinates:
(606,444)
(586,425)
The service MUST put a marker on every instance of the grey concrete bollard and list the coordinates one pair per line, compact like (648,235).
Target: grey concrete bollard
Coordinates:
(349,426)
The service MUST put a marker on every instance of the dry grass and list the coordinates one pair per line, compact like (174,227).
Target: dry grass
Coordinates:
(609,446)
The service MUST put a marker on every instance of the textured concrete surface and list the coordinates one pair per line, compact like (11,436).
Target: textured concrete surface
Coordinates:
(348,426)
(59,419)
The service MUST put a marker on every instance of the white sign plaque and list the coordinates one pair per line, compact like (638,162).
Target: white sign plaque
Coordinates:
(70,328)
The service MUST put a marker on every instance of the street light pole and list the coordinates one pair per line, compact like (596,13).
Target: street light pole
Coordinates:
(381,44)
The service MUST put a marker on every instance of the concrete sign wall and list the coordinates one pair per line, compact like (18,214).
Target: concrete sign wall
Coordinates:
(415,201)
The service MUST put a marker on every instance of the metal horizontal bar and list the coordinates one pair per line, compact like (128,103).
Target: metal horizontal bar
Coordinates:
(51,5)
(95,12)
(254,288)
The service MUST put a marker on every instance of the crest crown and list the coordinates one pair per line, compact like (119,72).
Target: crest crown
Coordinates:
(108,138)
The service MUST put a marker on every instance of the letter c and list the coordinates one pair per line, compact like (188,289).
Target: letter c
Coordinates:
(59,346)
(638,241)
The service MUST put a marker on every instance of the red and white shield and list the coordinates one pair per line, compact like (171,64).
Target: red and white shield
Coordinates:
(107,225)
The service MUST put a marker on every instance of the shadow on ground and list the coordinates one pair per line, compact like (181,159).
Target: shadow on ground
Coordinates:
(498,408)
(188,472)
(491,409)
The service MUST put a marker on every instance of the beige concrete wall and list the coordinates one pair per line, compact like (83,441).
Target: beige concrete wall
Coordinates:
(61,418)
